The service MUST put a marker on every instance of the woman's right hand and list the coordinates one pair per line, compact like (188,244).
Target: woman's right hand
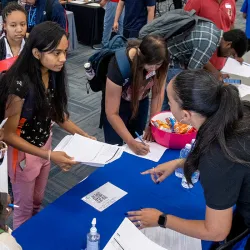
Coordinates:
(162,171)
(115,26)
(61,159)
(138,147)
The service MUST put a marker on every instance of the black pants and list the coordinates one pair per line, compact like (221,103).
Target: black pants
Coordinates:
(130,33)
(177,4)
(137,124)
(248,45)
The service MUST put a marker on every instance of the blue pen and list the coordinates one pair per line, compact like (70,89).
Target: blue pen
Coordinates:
(140,138)
(13,206)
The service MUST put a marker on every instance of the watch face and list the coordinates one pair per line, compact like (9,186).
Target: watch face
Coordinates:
(162,220)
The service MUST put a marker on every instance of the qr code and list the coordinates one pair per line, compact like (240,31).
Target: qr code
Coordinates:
(99,197)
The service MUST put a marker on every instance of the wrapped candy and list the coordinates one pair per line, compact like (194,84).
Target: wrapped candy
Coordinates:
(172,126)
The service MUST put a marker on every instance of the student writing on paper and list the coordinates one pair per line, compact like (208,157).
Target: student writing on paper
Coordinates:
(33,93)
(221,154)
(127,101)
(14,30)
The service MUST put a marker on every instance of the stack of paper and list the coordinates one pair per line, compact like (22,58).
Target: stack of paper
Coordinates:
(234,67)
(4,175)
(89,152)
(155,154)
(172,240)
(128,237)
(243,89)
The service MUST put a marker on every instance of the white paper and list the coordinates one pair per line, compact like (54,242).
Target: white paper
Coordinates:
(89,151)
(243,89)
(129,237)
(155,154)
(94,4)
(172,240)
(78,2)
(234,67)
(4,175)
(104,196)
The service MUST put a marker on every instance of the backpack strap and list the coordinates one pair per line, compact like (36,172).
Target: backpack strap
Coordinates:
(123,63)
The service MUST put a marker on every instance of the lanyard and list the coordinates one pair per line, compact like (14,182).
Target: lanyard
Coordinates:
(32,16)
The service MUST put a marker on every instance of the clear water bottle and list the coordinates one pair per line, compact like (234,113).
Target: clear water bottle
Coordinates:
(89,71)
(185,184)
(183,155)
(195,176)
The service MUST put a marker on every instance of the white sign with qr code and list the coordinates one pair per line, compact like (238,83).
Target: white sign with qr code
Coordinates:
(104,196)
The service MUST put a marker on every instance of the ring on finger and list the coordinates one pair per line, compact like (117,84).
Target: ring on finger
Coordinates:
(139,223)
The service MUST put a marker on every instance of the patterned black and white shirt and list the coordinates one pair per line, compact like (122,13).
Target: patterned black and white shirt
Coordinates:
(32,127)
(197,48)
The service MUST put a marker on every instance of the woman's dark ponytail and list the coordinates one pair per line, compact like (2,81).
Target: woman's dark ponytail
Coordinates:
(219,103)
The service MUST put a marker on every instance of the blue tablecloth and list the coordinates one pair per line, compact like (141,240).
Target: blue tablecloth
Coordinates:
(65,223)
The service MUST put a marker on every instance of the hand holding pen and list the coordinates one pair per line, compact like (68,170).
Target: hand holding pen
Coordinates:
(139,148)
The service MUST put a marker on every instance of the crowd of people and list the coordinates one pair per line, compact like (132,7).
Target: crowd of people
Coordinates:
(182,75)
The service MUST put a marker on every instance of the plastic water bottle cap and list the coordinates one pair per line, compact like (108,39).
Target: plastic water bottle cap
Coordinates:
(188,146)
(93,229)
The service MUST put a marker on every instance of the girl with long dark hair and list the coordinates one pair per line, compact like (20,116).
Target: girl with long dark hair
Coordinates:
(14,30)
(221,154)
(127,103)
(33,93)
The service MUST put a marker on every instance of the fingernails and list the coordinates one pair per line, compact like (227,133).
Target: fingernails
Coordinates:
(157,182)
(126,214)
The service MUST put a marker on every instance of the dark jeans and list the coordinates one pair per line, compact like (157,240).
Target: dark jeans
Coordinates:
(172,72)
(177,4)
(248,45)
(137,124)
(130,33)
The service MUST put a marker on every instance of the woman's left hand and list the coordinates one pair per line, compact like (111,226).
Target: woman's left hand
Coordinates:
(148,135)
(146,217)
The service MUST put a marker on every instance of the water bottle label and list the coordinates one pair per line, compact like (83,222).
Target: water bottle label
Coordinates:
(93,245)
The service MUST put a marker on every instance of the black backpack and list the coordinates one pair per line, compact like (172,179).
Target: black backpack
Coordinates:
(100,61)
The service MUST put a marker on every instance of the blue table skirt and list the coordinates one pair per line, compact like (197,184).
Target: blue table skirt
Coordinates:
(65,223)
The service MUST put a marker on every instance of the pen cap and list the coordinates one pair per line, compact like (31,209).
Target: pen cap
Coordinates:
(93,229)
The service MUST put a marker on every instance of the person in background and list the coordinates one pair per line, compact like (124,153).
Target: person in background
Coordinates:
(195,51)
(221,153)
(5,2)
(221,12)
(137,14)
(14,30)
(44,10)
(7,241)
(110,10)
(127,103)
(245,9)
(33,93)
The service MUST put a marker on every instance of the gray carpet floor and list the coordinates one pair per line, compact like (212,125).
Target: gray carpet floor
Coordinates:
(85,112)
